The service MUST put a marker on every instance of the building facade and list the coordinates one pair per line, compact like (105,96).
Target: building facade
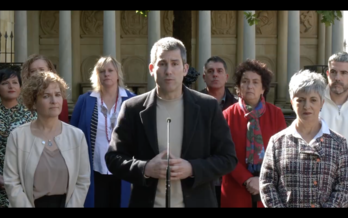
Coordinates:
(286,41)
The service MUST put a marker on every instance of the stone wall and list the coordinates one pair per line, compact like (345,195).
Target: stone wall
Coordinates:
(132,48)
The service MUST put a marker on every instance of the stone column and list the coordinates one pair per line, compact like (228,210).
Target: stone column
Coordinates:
(33,33)
(282,58)
(65,51)
(328,42)
(20,36)
(321,42)
(76,54)
(248,39)
(293,46)
(153,35)
(109,34)
(118,35)
(337,36)
(345,30)
(204,44)
(240,22)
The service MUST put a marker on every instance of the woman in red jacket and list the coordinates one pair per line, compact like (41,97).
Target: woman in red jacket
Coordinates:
(37,62)
(252,122)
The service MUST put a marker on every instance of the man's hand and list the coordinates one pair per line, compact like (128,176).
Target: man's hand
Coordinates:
(252,185)
(157,166)
(2,183)
(179,168)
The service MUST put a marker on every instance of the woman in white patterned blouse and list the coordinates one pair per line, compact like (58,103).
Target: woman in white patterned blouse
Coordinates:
(305,165)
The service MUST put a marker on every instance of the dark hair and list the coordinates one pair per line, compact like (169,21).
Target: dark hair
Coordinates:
(215,59)
(168,44)
(10,71)
(191,77)
(257,67)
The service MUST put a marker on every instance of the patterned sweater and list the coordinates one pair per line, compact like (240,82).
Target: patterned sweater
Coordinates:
(9,120)
(297,174)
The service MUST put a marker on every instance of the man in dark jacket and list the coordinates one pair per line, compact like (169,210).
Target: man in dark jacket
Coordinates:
(215,78)
(201,146)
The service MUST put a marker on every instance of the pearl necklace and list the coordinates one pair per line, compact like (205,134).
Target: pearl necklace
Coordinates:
(49,143)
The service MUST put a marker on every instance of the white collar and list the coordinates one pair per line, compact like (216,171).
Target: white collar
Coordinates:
(323,130)
(122,93)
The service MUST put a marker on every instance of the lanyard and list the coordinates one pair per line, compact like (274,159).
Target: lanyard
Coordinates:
(106,120)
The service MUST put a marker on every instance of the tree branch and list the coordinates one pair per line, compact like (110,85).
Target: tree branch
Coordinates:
(328,17)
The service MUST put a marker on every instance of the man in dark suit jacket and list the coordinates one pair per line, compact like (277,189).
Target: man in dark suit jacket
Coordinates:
(201,146)
(215,77)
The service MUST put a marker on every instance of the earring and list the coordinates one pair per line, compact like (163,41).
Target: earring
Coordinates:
(321,108)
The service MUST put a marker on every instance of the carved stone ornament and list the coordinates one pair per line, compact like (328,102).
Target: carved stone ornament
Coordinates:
(268,61)
(133,24)
(168,18)
(87,66)
(49,23)
(223,23)
(92,23)
(267,23)
(306,21)
(135,69)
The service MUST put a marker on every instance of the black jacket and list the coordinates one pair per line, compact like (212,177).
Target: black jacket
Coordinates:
(207,145)
(230,99)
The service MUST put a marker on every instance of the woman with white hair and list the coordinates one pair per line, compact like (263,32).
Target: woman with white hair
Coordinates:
(96,113)
(305,165)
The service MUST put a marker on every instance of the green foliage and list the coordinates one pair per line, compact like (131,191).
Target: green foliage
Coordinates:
(328,17)
(251,18)
(142,12)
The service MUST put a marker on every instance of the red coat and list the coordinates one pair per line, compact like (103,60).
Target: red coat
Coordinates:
(233,193)
(64,115)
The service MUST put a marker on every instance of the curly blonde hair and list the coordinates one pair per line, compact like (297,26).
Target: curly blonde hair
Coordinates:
(34,57)
(37,83)
(100,66)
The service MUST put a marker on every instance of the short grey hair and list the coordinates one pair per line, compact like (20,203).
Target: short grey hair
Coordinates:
(307,81)
(338,57)
(168,44)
